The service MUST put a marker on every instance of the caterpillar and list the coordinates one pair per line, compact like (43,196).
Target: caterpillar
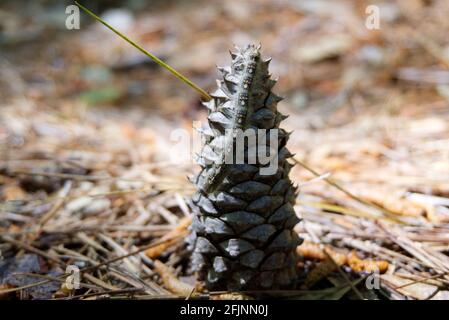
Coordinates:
(242,227)
(217,171)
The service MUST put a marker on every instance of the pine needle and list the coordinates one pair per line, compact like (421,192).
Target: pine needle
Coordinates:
(331,182)
(178,75)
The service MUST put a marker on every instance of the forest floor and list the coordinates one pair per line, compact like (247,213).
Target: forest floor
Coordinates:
(87,172)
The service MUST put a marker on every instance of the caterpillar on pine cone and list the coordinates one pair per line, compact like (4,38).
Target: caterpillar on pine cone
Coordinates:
(242,230)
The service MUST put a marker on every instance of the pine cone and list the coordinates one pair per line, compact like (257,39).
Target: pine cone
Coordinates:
(242,231)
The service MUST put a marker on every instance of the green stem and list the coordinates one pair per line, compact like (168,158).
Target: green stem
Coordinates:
(178,75)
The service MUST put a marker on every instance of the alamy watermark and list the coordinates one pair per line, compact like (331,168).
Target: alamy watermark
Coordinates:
(372,21)
(235,146)
(72,282)
(372,281)
(72,22)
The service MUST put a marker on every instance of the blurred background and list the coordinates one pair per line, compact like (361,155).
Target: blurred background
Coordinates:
(353,92)
(81,111)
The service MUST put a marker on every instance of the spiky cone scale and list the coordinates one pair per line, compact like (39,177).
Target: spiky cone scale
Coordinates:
(242,231)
